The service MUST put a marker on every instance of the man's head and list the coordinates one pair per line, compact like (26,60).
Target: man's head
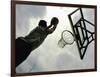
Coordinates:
(54,21)
(42,24)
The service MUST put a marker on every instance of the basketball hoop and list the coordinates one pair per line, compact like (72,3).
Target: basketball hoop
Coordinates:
(67,38)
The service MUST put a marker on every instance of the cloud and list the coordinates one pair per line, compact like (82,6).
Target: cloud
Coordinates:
(48,56)
(23,14)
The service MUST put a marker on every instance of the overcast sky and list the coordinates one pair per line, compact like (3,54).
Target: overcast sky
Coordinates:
(24,13)
(49,57)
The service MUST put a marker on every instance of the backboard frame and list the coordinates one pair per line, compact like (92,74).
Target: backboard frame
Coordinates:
(80,42)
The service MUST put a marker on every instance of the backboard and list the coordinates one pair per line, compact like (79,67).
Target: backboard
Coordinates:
(81,27)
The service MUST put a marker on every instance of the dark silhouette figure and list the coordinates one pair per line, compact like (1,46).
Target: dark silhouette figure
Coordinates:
(24,45)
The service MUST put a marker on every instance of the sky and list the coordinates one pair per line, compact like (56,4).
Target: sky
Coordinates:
(49,56)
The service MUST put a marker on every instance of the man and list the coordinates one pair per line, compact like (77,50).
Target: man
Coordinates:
(24,45)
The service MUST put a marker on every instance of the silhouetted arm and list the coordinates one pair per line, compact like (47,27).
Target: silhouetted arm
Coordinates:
(53,25)
(50,29)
